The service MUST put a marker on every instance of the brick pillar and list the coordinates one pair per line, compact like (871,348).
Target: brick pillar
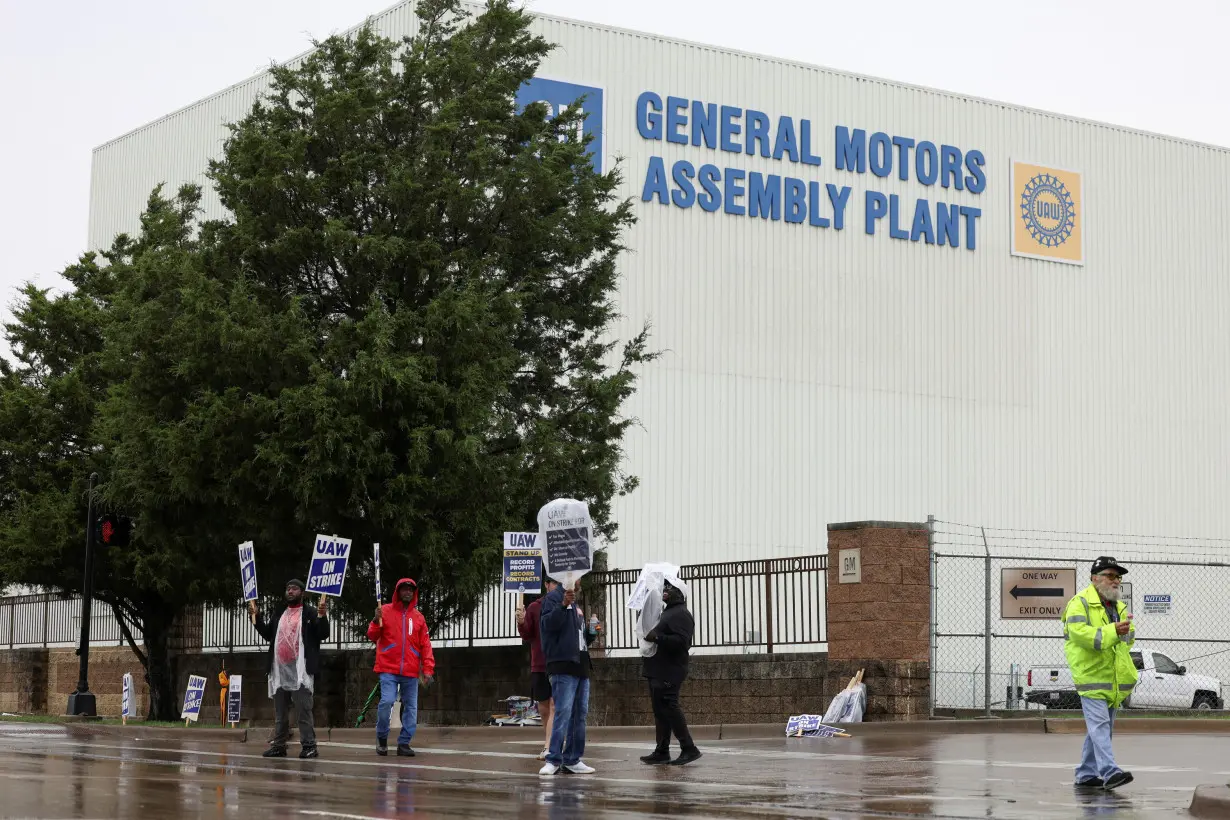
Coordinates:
(887,614)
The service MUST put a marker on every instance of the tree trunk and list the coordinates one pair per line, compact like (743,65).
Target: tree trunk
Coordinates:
(159,620)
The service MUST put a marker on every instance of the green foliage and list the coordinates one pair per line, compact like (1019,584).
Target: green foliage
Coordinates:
(401,333)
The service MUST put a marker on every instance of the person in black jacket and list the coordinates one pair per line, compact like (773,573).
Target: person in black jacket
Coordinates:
(667,669)
(294,636)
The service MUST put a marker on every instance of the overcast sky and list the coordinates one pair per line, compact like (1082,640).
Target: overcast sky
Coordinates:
(80,72)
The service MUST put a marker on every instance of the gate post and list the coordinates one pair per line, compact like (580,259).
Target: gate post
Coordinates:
(879,614)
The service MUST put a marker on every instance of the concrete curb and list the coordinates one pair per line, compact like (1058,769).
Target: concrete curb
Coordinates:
(446,734)
(705,733)
(161,733)
(1145,726)
(1211,801)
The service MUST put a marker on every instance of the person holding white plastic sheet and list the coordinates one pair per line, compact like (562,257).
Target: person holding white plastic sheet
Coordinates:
(294,636)
(667,669)
(565,645)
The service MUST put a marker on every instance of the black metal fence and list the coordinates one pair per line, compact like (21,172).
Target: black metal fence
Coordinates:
(50,620)
(757,606)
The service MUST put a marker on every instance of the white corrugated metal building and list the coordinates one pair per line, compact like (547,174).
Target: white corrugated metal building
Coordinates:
(815,374)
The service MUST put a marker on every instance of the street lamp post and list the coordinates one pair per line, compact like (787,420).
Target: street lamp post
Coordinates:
(82,701)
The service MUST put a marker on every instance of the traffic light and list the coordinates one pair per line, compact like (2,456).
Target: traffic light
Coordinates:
(114,530)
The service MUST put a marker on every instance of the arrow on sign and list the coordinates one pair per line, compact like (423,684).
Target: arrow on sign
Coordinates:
(1037,592)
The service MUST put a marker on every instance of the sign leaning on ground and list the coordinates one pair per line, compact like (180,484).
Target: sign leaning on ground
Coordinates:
(1035,593)
(193,696)
(234,699)
(126,705)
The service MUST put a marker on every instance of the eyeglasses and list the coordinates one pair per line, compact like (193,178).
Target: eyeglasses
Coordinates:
(1111,577)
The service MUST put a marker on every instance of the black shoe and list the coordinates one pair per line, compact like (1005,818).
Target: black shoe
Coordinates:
(307,753)
(656,758)
(382,747)
(274,751)
(1090,783)
(1117,779)
(686,757)
(404,751)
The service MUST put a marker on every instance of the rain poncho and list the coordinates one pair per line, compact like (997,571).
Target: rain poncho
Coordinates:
(289,670)
(646,600)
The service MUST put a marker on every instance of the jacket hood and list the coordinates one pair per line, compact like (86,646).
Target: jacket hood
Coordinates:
(414,602)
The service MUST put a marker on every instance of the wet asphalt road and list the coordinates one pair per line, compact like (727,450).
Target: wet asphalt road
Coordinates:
(52,772)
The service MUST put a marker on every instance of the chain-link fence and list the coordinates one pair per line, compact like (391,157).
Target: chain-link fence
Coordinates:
(998,596)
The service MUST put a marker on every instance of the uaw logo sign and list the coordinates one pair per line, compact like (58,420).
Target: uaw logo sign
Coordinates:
(1047,212)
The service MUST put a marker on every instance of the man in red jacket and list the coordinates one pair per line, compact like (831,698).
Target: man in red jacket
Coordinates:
(540,684)
(403,659)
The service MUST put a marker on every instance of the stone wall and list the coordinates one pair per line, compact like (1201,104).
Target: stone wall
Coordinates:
(471,682)
(23,681)
(39,681)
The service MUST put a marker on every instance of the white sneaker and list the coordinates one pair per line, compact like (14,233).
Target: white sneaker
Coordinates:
(543,754)
(548,769)
(579,768)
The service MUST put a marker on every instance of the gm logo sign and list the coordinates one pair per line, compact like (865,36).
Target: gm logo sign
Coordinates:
(559,97)
(1047,215)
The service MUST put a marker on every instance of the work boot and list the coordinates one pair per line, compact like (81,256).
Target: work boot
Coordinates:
(274,751)
(686,757)
(382,746)
(308,752)
(656,758)
(404,750)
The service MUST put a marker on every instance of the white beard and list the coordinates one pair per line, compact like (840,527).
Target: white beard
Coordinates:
(1110,593)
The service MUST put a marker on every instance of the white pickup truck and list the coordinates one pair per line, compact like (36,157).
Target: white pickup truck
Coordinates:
(1163,685)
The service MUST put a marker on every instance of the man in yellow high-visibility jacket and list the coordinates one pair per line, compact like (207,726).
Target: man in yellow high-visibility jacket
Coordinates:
(1100,635)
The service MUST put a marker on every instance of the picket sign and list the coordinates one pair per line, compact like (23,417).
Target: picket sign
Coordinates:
(330,557)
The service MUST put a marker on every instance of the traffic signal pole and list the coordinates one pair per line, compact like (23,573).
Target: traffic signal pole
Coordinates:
(82,701)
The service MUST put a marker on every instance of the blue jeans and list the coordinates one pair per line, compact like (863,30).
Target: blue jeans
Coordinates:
(571,697)
(389,684)
(1097,760)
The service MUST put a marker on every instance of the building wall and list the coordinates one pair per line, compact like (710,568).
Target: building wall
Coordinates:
(814,375)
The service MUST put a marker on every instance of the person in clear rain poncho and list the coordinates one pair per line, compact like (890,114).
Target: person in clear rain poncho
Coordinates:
(294,636)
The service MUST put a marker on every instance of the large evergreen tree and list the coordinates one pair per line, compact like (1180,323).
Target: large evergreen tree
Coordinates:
(402,332)
(50,399)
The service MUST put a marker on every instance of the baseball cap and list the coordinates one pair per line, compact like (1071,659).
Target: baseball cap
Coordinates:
(1105,562)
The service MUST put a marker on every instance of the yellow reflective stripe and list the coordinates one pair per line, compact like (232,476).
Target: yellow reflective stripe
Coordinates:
(1097,639)
(1077,619)
(1094,687)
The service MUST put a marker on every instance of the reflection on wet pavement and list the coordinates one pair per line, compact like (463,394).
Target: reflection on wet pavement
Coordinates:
(56,772)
